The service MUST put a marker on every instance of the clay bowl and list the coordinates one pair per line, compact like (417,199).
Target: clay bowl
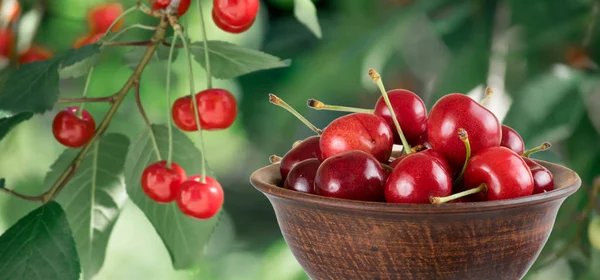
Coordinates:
(343,239)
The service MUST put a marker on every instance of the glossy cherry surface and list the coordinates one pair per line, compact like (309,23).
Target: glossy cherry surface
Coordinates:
(543,180)
(352,175)
(162,183)
(455,111)
(302,177)
(410,112)
(33,54)
(308,148)
(358,131)
(217,110)
(418,177)
(502,170)
(432,153)
(235,15)
(184,5)
(7,42)
(87,39)
(102,16)
(71,130)
(200,200)
(512,140)
(229,28)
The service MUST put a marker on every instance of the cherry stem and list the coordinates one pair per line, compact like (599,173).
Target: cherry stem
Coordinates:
(206,50)
(170,128)
(387,167)
(318,105)
(279,102)
(464,137)
(441,200)
(138,101)
(275,159)
(108,99)
(85,91)
(488,94)
(137,25)
(377,80)
(544,146)
(122,15)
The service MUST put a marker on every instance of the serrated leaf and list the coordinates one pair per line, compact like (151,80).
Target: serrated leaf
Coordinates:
(306,13)
(7,124)
(229,60)
(94,197)
(184,237)
(39,246)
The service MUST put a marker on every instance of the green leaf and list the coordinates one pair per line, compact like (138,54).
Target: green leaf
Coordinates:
(7,124)
(133,57)
(39,246)
(80,61)
(184,237)
(306,13)
(228,60)
(94,197)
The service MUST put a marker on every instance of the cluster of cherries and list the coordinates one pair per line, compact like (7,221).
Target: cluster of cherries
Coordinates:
(351,158)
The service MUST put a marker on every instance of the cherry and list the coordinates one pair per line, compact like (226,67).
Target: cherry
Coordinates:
(410,113)
(11,13)
(235,16)
(184,5)
(229,28)
(543,180)
(358,131)
(353,175)
(87,40)
(429,152)
(503,171)
(455,111)
(512,140)
(102,16)
(217,110)
(33,54)
(200,200)
(309,148)
(7,42)
(302,177)
(72,130)
(417,178)
(162,183)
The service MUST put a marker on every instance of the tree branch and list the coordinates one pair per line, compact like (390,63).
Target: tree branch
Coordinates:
(108,99)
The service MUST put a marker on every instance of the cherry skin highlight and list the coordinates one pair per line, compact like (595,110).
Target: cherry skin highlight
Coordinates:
(71,130)
(410,112)
(512,140)
(355,175)
(502,170)
(455,111)
(358,131)
(307,149)
(33,54)
(162,183)
(302,177)
(543,180)
(235,14)
(200,200)
(102,16)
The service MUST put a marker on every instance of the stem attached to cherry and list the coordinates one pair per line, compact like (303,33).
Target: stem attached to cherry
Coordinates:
(441,200)
(85,91)
(122,15)
(387,167)
(169,125)
(377,80)
(274,159)
(206,50)
(318,105)
(464,137)
(544,146)
(279,102)
(138,101)
(488,94)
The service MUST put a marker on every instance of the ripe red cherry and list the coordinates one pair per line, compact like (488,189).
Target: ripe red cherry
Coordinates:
(302,177)
(229,28)
(184,5)
(235,15)
(351,175)
(200,200)
(87,40)
(502,170)
(217,110)
(102,16)
(455,111)
(162,183)
(432,153)
(512,140)
(71,130)
(308,148)
(358,131)
(418,177)
(410,112)
(543,180)
(33,54)
(7,42)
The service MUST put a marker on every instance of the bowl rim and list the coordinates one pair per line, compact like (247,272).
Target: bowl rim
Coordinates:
(263,180)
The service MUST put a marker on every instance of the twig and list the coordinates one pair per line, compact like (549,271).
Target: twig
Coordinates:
(138,102)
(109,99)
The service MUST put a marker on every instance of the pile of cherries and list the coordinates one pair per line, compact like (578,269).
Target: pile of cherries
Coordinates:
(459,152)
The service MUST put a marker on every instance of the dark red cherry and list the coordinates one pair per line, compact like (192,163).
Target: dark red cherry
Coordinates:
(308,148)
(512,140)
(503,171)
(302,177)
(455,111)
(229,28)
(162,183)
(217,110)
(235,14)
(418,177)
(351,175)
(71,130)
(358,131)
(410,112)
(543,180)
(200,200)
(432,153)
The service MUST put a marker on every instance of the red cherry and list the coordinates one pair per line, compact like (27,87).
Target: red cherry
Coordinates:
(351,175)
(235,13)
(161,183)
(543,180)
(217,110)
(33,54)
(410,112)
(71,130)
(418,177)
(358,131)
(87,40)
(200,200)
(102,16)
(308,148)
(7,42)
(184,5)
(502,170)
(302,177)
(429,152)
(228,28)
(455,111)
(512,140)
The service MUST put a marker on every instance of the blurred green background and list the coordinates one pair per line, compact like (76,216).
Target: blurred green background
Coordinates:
(537,55)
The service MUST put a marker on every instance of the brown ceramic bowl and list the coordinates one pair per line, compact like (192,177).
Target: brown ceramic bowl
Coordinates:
(344,239)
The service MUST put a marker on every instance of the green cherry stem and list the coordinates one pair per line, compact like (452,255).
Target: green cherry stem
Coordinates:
(279,102)
(169,125)
(464,137)
(274,159)
(206,50)
(122,15)
(138,101)
(85,91)
(441,200)
(544,146)
(137,25)
(377,80)
(318,105)
(387,167)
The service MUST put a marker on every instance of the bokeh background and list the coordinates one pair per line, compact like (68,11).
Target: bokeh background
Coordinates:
(538,56)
